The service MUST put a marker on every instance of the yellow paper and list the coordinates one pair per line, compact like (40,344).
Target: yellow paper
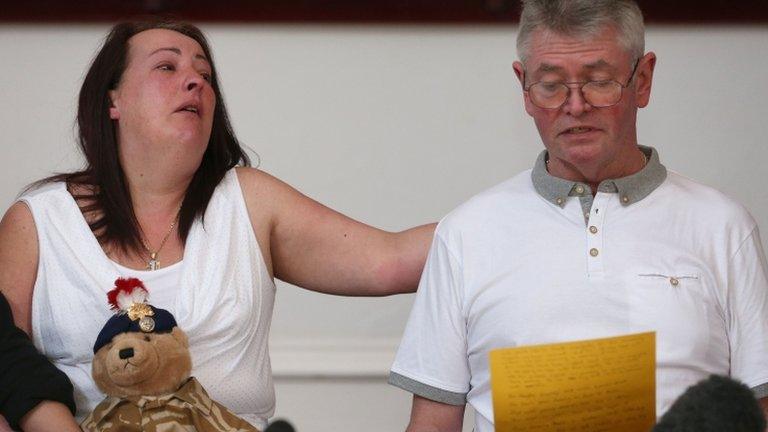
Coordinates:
(597,385)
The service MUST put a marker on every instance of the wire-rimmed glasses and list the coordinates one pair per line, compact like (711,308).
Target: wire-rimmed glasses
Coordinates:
(599,94)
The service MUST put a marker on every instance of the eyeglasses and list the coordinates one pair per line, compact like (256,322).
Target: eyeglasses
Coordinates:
(599,94)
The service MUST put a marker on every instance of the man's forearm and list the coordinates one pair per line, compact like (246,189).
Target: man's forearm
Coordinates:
(430,416)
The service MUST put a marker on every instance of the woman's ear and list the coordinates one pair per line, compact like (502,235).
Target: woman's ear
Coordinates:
(114,111)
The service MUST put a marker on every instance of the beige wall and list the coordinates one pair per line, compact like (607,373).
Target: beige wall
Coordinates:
(394,126)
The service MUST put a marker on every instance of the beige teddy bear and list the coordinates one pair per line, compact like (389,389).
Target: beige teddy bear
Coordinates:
(142,363)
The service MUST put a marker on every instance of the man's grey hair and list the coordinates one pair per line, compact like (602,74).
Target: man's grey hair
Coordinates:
(582,18)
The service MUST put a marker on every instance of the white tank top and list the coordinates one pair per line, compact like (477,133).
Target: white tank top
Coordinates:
(223,298)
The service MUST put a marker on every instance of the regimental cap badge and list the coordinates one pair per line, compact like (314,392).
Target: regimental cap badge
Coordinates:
(147,324)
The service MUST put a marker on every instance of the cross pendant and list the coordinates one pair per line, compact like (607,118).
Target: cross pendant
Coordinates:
(153,263)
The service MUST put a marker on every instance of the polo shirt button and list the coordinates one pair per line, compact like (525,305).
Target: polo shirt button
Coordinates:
(559,201)
(594,252)
(579,189)
(674,281)
(593,229)
(625,199)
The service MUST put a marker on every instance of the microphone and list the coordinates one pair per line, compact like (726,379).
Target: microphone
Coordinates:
(716,404)
(280,426)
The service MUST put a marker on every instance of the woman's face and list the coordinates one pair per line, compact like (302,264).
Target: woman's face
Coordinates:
(164,103)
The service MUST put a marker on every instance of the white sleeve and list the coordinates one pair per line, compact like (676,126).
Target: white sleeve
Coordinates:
(432,359)
(748,314)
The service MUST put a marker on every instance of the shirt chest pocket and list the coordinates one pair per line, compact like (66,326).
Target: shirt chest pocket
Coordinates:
(676,306)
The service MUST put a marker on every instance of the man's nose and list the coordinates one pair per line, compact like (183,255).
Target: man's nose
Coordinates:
(575,104)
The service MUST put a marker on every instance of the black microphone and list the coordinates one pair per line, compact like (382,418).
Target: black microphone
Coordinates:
(280,426)
(716,404)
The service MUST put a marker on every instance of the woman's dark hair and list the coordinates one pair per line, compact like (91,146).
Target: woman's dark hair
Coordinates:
(108,196)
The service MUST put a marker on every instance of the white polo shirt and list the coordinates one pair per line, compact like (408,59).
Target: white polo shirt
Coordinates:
(517,265)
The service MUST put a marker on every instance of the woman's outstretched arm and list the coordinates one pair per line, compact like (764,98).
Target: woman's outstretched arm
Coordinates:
(315,247)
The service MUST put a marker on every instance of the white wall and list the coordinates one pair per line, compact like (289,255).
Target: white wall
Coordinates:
(394,126)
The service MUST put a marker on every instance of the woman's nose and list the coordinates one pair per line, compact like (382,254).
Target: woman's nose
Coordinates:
(194,83)
(193,80)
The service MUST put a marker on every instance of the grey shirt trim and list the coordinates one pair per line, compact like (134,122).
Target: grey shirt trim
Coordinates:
(631,189)
(760,391)
(426,391)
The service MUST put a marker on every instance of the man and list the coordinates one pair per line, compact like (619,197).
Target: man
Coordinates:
(34,395)
(597,240)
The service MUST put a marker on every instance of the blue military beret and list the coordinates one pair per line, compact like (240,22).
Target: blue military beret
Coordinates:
(161,322)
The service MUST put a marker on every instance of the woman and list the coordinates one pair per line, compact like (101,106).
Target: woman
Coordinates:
(161,199)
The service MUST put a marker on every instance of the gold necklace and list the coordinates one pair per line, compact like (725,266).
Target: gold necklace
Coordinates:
(153,263)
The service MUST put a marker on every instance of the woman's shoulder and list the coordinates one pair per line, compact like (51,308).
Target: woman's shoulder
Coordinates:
(254,177)
(261,186)
(43,189)
(267,197)
(34,202)
(17,217)
(58,200)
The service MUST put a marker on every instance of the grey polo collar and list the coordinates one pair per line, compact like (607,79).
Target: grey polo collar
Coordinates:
(631,189)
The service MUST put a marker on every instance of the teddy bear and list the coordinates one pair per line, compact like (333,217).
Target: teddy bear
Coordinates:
(142,362)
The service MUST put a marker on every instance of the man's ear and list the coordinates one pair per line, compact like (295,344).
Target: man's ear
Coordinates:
(114,111)
(520,72)
(644,78)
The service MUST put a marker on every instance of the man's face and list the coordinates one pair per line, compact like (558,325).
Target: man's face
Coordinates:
(576,133)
